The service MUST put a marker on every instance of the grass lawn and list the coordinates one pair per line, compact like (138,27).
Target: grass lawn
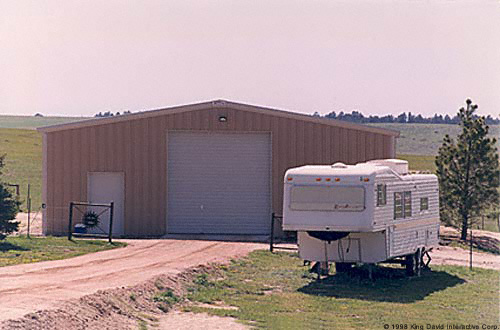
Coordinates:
(22,250)
(275,291)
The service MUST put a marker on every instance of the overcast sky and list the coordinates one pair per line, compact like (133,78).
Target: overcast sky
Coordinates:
(81,57)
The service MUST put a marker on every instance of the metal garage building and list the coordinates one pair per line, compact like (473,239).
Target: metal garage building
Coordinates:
(207,168)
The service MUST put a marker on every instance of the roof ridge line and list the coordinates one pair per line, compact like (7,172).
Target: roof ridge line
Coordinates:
(211,104)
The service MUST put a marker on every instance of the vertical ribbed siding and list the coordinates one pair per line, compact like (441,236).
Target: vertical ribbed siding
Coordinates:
(58,198)
(138,148)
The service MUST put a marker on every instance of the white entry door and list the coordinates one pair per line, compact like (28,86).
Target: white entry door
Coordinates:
(106,187)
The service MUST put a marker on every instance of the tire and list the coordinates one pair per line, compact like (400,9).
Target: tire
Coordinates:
(342,267)
(410,264)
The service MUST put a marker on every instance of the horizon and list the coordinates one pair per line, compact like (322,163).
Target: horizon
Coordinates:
(311,114)
(68,58)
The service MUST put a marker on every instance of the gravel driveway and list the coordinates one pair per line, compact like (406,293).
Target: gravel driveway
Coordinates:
(46,285)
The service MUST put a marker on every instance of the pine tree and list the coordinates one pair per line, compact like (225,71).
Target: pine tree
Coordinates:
(9,207)
(468,172)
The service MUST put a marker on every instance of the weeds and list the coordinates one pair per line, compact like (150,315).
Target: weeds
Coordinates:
(202,279)
(166,299)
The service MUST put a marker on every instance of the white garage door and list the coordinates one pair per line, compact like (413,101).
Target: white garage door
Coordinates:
(219,183)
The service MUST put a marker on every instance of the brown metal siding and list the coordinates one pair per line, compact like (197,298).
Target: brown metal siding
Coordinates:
(138,148)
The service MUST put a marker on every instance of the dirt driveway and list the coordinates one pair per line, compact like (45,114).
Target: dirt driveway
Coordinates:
(46,285)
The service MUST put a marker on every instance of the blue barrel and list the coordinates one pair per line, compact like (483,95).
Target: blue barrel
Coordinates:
(80,229)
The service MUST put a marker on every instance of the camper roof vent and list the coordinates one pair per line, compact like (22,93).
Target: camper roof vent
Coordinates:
(339,165)
(397,165)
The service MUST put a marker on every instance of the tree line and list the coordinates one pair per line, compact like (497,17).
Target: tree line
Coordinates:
(110,114)
(403,118)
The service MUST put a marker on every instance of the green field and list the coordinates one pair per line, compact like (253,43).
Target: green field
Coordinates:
(23,147)
(425,139)
(22,250)
(23,150)
(275,291)
(31,122)
(419,162)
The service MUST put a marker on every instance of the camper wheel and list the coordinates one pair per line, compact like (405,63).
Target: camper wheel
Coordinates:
(410,264)
(342,267)
(413,263)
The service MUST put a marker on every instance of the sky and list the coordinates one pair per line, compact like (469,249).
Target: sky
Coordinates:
(78,58)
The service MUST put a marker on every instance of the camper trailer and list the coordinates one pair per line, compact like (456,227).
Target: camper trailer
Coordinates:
(365,213)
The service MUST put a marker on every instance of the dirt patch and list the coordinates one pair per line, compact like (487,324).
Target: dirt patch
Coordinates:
(35,223)
(481,239)
(446,255)
(121,308)
(28,288)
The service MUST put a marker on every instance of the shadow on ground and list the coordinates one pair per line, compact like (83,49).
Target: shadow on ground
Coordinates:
(5,246)
(389,285)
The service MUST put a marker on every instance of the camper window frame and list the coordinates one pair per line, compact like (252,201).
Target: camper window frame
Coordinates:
(381,194)
(398,215)
(422,204)
(407,207)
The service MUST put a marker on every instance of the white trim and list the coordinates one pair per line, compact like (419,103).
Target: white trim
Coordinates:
(44,183)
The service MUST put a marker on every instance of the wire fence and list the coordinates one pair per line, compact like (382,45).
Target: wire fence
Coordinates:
(31,225)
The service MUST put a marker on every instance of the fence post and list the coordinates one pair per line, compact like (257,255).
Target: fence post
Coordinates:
(271,241)
(28,201)
(470,266)
(111,221)
(70,225)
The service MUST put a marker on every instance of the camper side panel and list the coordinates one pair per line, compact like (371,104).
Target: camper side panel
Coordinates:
(422,227)
(407,239)
(383,214)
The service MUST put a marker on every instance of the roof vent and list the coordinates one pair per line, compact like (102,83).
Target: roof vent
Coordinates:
(339,165)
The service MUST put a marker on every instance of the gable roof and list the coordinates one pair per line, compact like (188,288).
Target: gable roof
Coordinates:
(217,104)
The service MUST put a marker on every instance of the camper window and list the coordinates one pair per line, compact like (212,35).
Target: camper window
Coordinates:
(398,205)
(323,198)
(381,195)
(424,203)
(407,204)
(402,205)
